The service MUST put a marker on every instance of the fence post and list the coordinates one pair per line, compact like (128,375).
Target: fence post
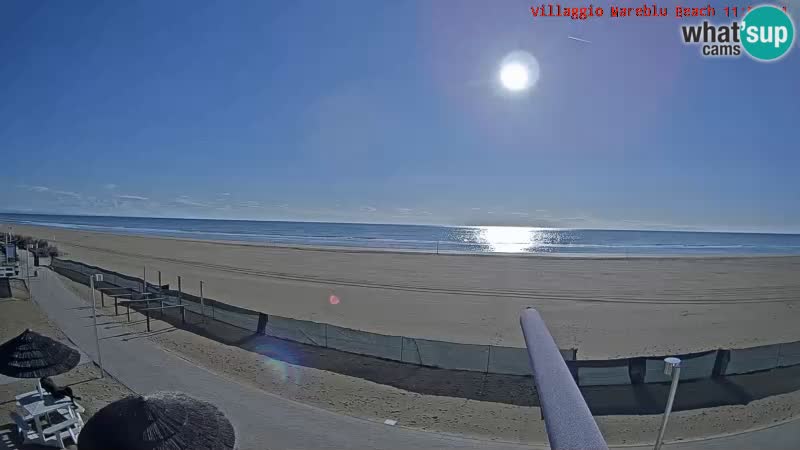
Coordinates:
(144,279)
(147,315)
(159,281)
(180,301)
(202,302)
(102,299)
(262,324)
(183,315)
(116,308)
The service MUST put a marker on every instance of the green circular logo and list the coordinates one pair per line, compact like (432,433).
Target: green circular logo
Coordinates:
(767,33)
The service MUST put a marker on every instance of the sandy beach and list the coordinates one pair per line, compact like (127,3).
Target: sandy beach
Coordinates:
(604,307)
(479,419)
(353,396)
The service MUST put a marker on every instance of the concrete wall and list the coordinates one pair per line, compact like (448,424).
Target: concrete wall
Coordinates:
(450,355)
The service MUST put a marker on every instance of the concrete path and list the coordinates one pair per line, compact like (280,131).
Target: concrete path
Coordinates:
(785,436)
(263,420)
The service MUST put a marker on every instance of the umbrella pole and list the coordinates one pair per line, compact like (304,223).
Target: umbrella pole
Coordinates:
(96,337)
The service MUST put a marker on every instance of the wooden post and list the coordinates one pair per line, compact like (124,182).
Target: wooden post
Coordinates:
(262,324)
(159,281)
(147,315)
(180,301)
(129,311)
(103,299)
(144,279)
(183,314)
(116,306)
(202,303)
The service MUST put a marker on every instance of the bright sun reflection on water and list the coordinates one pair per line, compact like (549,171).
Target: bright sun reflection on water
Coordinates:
(509,239)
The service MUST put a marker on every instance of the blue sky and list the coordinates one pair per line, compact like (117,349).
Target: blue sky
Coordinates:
(378,111)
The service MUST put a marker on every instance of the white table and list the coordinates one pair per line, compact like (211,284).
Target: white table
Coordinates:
(35,406)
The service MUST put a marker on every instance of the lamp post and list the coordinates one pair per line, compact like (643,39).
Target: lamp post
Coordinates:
(92,278)
(672,366)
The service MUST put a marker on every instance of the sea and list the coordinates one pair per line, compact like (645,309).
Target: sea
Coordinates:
(434,238)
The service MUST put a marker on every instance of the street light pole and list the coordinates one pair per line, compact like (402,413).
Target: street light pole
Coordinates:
(92,278)
(672,366)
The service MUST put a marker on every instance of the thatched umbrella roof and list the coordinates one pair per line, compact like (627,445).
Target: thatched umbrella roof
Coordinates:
(160,421)
(31,355)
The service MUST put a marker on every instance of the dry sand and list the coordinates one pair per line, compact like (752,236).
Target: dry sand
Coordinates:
(604,307)
(485,420)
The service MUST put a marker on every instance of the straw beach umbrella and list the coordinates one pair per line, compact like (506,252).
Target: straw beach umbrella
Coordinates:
(31,355)
(160,421)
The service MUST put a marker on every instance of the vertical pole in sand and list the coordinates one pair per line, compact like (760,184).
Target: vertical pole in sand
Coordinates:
(202,302)
(180,302)
(144,279)
(28,270)
(159,281)
(672,366)
(94,314)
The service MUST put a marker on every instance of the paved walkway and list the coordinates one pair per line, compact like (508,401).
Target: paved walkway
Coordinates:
(263,420)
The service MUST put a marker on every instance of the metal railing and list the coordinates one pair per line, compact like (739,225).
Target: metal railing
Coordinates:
(569,422)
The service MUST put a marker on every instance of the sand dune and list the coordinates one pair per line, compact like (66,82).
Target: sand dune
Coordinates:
(605,307)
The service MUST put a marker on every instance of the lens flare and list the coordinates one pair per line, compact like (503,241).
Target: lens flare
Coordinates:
(333,300)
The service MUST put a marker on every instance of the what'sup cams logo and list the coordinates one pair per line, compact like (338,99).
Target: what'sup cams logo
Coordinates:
(766,34)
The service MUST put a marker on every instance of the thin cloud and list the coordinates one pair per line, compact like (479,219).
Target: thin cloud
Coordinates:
(368,209)
(186,201)
(34,188)
(67,194)
(132,197)
(249,204)
(50,191)
(110,186)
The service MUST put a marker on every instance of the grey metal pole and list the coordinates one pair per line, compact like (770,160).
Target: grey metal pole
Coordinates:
(96,335)
(180,301)
(671,366)
(28,270)
(567,418)
(144,279)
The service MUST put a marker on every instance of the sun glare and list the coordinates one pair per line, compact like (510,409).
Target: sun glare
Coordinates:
(514,76)
(507,239)
(519,71)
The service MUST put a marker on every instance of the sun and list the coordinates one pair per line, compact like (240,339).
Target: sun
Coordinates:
(514,76)
(519,71)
